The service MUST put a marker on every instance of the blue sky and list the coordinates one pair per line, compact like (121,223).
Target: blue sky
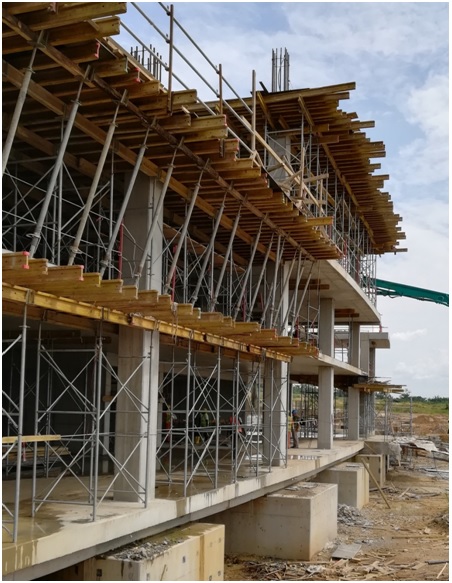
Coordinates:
(397,53)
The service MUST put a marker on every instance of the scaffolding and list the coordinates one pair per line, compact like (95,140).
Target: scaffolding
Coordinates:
(234,238)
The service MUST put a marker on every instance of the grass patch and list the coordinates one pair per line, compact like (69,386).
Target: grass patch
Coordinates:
(418,407)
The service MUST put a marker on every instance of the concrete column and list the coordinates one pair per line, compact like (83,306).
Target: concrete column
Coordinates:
(354,351)
(276,388)
(326,375)
(365,355)
(372,354)
(326,408)
(138,365)
(139,347)
(137,221)
(326,326)
(353,413)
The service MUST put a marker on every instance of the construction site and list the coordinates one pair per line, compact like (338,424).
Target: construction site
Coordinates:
(189,285)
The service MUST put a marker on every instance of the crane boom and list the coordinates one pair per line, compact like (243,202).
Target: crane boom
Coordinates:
(389,288)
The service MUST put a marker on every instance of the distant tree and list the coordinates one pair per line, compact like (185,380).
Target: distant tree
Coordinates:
(405,396)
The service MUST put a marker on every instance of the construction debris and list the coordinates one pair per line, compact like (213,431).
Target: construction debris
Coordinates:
(146,550)
(351,516)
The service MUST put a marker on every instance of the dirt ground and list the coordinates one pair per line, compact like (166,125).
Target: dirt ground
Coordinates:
(407,542)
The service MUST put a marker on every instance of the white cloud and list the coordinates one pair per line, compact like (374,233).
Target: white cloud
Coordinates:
(408,335)
(425,161)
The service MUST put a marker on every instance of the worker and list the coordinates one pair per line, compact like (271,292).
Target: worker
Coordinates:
(202,420)
(294,427)
(236,431)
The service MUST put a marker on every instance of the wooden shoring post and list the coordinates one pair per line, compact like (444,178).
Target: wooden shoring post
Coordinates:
(19,106)
(293,300)
(253,120)
(271,295)
(208,252)
(170,58)
(106,260)
(74,248)
(36,236)
(181,241)
(258,284)
(155,218)
(376,483)
(226,259)
(248,270)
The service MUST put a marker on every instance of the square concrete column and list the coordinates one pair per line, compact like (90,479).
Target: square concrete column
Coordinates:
(136,414)
(355,345)
(353,413)
(137,221)
(326,407)
(138,351)
(364,358)
(276,387)
(326,375)
(326,326)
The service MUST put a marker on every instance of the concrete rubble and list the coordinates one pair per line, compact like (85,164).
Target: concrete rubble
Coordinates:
(351,516)
(147,550)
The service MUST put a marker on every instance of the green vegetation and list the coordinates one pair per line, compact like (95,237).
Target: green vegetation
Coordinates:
(419,405)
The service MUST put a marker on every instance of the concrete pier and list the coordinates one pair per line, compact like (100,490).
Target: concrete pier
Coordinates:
(352,480)
(294,523)
(377,466)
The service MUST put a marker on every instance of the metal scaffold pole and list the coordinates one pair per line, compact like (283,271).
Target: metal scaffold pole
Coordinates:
(36,236)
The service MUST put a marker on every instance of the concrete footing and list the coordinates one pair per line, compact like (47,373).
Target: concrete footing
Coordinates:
(193,553)
(352,481)
(290,524)
(377,466)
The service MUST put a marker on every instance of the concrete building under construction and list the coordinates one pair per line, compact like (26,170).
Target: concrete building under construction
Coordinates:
(179,273)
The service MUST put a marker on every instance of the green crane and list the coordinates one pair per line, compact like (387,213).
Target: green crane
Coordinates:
(391,289)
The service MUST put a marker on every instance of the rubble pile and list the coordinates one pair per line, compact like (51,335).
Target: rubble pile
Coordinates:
(351,516)
(146,550)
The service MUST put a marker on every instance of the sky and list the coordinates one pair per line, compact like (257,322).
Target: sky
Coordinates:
(397,53)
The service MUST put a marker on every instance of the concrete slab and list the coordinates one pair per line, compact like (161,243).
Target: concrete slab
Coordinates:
(63,534)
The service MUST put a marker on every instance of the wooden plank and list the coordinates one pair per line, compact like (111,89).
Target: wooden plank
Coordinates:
(184,310)
(245,328)
(22,7)
(31,438)
(85,31)
(17,260)
(68,14)
(212,316)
